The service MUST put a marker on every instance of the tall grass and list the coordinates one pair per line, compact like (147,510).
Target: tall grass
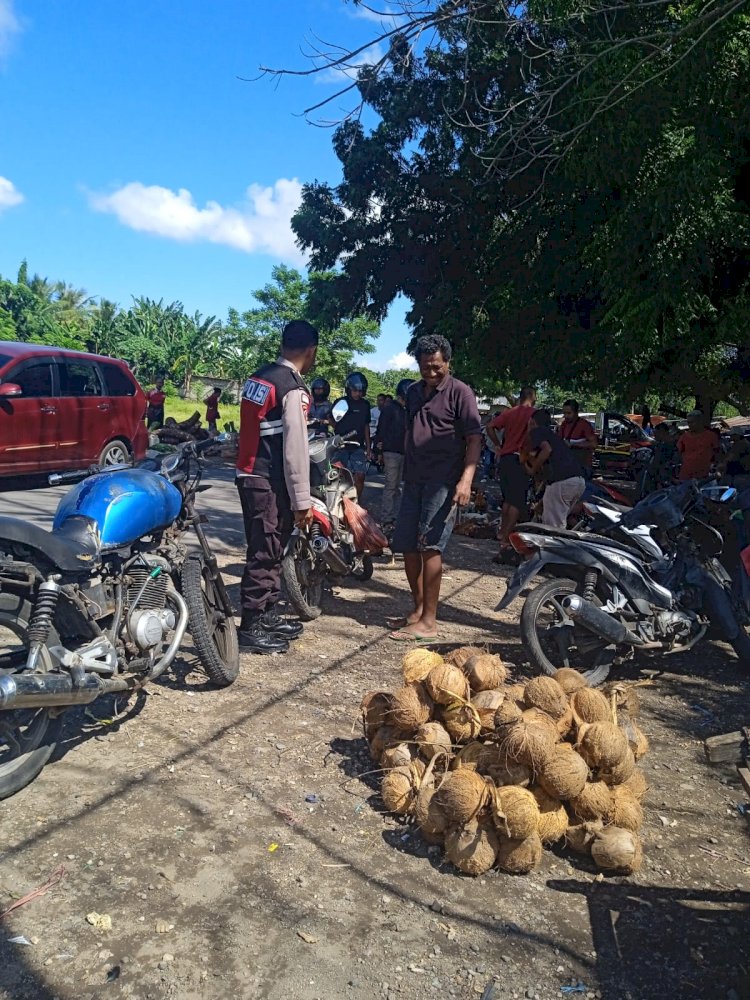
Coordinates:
(181,409)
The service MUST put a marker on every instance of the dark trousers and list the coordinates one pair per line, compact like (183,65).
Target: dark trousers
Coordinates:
(268,519)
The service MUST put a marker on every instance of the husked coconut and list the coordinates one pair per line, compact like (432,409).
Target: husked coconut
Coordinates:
(546,694)
(374,708)
(446,684)
(564,773)
(508,713)
(410,708)
(462,722)
(385,738)
(625,811)
(433,740)
(540,718)
(417,664)
(400,786)
(620,773)
(516,692)
(570,680)
(529,743)
(505,771)
(519,857)
(590,705)
(593,802)
(468,756)
(472,848)
(515,812)
(485,672)
(487,703)
(398,756)
(461,796)
(617,850)
(460,655)
(580,836)
(602,745)
(637,784)
(566,722)
(553,819)
(428,814)
(637,739)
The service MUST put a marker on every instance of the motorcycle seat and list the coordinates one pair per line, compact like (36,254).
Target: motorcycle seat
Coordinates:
(534,527)
(73,549)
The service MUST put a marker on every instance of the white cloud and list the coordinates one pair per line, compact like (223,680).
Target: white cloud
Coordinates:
(402,360)
(260,224)
(375,12)
(348,71)
(9,194)
(9,25)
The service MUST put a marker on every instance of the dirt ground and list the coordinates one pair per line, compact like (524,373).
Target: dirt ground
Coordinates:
(237,841)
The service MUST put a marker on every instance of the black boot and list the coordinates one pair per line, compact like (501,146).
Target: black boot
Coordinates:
(255,638)
(280,627)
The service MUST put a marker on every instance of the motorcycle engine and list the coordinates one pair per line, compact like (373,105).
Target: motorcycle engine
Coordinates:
(674,624)
(148,618)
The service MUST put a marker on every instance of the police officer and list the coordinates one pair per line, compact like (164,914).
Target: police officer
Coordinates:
(319,417)
(273,480)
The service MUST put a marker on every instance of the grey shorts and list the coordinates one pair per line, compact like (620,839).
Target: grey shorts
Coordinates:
(353,459)
(425,520)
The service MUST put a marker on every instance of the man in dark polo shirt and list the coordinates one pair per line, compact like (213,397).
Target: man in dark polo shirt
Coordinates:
(443,446)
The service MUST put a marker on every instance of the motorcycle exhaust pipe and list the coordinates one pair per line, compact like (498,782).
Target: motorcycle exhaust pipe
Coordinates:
(323,548)
(47,690)
(598,621)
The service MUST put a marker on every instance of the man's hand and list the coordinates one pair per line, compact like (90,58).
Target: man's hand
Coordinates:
(462,496)
(302,518)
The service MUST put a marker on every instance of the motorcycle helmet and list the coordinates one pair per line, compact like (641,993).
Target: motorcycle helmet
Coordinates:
(403,387)
(356,381)
(320,383)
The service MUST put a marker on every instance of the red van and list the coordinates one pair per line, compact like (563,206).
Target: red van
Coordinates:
(63,409)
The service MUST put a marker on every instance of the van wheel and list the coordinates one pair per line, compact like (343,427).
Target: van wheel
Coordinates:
(116,453)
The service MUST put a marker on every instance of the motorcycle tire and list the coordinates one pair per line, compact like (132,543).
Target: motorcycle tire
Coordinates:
(303,582)
(537,599)
(365,573)
(41,730)
(741,646)
(213,630)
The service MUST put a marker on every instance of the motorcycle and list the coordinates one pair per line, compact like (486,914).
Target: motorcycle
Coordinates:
(608,599)
(342,538)
(101,603)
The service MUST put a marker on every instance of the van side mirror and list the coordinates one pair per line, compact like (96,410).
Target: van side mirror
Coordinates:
(10,389)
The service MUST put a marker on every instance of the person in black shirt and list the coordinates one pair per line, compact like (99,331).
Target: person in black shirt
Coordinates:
(356,454)
(319,414)
(391,435)
(565,482)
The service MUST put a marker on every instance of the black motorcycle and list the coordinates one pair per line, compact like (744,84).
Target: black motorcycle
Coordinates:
(606,600)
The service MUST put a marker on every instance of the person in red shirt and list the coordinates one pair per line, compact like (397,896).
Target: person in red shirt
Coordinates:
(155,411)
(514,481)
(579,435)
(698,447)
(212,409)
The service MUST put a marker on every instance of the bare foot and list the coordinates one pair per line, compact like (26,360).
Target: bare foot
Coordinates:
(414,617)
(416,631)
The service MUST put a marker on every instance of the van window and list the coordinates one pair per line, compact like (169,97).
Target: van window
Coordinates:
(117,382)
(35,379)
(79,378)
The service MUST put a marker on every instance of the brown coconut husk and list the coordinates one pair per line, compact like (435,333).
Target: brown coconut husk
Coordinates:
(594,801)
(603,745)
(410,708)
(428,815)
(468,756)
(625,811)
(504,771)
(462,721)
(472,848)
(459,656)
(485,672)
(519,857)
(417,664)
(566,723)
(580,836)
(624,697)
(462,795)
(400,786)
(546,694)
(446,684)
(564,773)
(590,705)
(637,784)
(373,708)
(636,737)
(516,692)
(508,713)
(398,756)
(433,740)
(617,850)
(553,819)
(385,738)
(487,703)
(570,680)
(530,743)
(515,812)
(537,716)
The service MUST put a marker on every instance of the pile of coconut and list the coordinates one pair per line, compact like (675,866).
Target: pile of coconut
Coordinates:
(493,771)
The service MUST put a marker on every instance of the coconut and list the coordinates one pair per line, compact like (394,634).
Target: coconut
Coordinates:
(461,795)
(515,812)
(400,786)
(417,664)
(564,773)
(374,708)
(508,713)
(602,745)
(505,771)
(545,693)
(620,773)
(553,819)
(637,784)
(472,848)
(570,680)
(566,722)
(398,756)
(580,837)
(385,738)
(485,671)
(625,810)
(594,801)
(468,756)
(428,814)
(516,692)
(519,857)
(446,683)
(410,707)
(487,703)
(590,705)
(636,737)
(433,740)
(462,721)
(529,743)
(538,717)
(617,850)
(624,697)
(459,656)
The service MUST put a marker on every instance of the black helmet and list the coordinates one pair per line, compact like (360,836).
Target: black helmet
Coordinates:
(403,387)
(320,383)
(356,380)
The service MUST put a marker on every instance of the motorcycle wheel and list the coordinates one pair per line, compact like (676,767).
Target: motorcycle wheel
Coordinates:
(550,647)
(366,569)
(213,630)
(303,580)
(28,736)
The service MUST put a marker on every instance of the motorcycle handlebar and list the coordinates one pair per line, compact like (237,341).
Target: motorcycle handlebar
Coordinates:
(74,476)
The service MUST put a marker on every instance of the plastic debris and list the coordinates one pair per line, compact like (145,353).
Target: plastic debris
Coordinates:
(55,878)
(101,921)
(312,799)
(272,848)
(575,988)
(307,938)
(20,939)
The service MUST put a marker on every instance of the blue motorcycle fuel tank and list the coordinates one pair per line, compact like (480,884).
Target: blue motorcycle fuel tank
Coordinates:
(125,504)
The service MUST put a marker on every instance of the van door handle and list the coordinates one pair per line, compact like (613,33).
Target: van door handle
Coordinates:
(105,407)
(49,409)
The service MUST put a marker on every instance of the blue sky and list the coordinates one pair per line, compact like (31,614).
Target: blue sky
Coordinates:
(133,161)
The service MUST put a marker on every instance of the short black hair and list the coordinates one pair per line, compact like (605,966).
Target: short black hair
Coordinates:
(217,388)
(433,343)
(299,335)
(527,392)
(573,404)
(542,418)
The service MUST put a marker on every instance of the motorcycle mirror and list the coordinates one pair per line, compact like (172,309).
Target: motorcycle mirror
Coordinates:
(340,410)
(719,494)
(223,437)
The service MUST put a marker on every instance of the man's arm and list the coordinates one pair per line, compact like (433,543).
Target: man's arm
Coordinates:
(296,454)
(492,429)
(538,460)
(590,441)
(471,460)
